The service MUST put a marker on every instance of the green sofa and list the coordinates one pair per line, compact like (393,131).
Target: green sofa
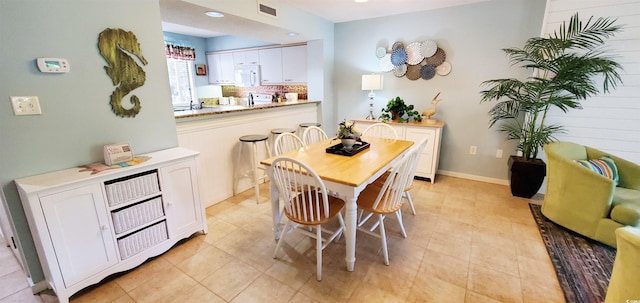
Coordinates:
(585,201)
(623,286)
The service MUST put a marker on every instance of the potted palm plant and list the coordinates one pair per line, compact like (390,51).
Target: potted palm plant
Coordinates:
(564,67)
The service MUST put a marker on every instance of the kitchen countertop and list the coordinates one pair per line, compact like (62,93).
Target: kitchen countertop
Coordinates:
(225,109)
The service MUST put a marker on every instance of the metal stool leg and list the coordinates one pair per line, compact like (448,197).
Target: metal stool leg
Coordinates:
(256,184)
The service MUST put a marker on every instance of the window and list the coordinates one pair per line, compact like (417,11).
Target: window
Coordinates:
(181,81)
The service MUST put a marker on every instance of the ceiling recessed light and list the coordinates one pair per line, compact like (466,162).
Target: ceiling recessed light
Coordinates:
(214,14)
(292,34)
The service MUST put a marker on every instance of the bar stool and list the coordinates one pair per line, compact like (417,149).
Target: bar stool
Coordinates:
(277,131)
(303,126)
(253,139)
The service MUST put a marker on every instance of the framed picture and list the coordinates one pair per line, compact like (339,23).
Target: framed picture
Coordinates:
(201,69)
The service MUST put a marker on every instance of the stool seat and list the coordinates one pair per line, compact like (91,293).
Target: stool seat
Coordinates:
(278,131)
(254,138)
(310,124)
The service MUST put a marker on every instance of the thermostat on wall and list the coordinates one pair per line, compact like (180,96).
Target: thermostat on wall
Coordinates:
(53,65)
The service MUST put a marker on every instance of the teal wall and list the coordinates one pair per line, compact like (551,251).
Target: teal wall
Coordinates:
(77,119)
(472,37)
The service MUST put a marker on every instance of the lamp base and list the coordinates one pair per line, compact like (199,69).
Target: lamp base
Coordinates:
(370,116)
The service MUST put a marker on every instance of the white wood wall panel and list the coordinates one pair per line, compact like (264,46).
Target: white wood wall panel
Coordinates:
(608,122)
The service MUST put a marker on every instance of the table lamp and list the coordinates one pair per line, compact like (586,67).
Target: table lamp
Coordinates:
(371,82)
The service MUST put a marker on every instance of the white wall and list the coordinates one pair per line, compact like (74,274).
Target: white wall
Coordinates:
(609,122)
(472,37)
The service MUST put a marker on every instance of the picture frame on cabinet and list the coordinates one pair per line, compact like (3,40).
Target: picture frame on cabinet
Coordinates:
(201,69)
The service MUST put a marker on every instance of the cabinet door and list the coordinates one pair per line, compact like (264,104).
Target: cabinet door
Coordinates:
(213,64)
(227,69)
(294,64)
(246,58)
(271,66)
(426,161)
(79,228)
(182,201)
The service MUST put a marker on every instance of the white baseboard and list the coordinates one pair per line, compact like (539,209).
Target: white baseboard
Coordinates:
(38,287)
(473,177)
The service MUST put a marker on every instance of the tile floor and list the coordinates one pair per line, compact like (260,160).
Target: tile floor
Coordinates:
(469,242)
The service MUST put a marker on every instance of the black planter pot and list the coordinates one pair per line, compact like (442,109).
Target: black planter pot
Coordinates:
(526,176)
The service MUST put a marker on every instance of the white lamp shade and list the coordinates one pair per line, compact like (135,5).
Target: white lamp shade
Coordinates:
(371,82)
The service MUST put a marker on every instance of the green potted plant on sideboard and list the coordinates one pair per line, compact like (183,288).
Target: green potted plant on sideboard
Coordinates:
(564,67)
(396,109)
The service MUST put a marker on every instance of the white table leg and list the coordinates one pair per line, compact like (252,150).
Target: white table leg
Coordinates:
(350,232)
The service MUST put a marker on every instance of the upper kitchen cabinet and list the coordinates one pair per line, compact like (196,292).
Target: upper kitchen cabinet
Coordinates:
(221,68)
(294,64)
(271,66)
(246,58)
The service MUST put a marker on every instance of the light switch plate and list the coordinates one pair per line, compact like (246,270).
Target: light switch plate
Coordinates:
(26,105)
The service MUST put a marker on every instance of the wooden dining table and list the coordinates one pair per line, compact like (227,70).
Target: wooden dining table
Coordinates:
(344,177)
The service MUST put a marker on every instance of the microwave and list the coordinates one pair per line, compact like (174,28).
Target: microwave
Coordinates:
(247,75)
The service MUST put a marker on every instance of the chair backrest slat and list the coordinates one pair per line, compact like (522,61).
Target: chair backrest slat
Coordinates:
(380,130)
(390,196)
(287,142)
(313,134)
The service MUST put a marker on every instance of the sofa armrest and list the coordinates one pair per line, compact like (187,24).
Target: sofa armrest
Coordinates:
(575,192)
(628,172)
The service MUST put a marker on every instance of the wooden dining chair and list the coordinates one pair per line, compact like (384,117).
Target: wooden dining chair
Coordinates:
(286,142)
(313,134)
(412,174)
(306,205)
(381,130)
(383,197)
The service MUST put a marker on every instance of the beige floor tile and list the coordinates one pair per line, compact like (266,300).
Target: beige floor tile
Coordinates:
(532,250)
(292,273)
(499,258)
(444,267)
(23,296)
(494,284)
(431,289)
(185,249)
(142,274)
(536,285)
(106,292)
(231,279)
(367,293)
(337,285)
(265,289)
(445,243)
(166,286)
(204,263)
(473,297)
(218,229)
(525,231)
(301,298)
(401,277)
(12,283)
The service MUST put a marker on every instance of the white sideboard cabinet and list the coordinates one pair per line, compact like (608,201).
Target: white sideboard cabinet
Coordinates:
(416,132)
(89,226)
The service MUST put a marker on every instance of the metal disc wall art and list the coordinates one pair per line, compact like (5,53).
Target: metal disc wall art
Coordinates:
(416,60)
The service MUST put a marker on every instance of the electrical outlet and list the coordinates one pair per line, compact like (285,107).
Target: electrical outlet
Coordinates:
(26,105)
(499,153)
(473,150)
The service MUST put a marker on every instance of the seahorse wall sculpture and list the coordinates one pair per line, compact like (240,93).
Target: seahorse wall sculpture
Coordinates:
(115,45)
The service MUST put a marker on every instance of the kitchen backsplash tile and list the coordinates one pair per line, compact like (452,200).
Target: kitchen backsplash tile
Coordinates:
(242,92)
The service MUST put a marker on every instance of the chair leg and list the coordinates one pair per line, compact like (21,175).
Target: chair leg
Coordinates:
(319,252)
(256,184)
(399,216)
(282,233)
(383,236)
(410,200)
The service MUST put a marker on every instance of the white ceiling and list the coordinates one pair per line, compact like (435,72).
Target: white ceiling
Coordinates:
(185,18)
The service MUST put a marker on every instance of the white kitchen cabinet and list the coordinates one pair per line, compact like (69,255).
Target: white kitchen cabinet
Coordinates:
(271,66)
(242,58)
(294,64)
(89,226)
(416,132)
(221,68)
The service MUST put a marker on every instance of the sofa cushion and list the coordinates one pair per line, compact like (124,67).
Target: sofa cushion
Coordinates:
(604,166)
(626,206)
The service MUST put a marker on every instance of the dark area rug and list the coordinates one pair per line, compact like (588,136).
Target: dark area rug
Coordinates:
(583,265)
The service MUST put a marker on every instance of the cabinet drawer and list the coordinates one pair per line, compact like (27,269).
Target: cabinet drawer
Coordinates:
(137,215)
(131,188)
(143,239)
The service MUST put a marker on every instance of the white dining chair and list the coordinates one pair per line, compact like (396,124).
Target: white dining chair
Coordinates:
(383,197)
(412,174)
(381,130)
(306,205)
(313,134)
(286,142)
